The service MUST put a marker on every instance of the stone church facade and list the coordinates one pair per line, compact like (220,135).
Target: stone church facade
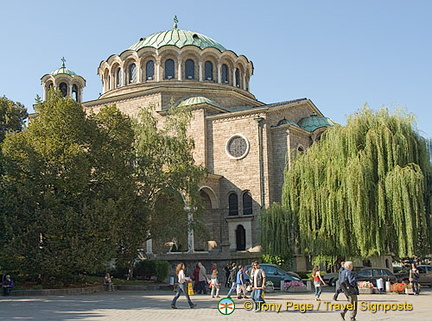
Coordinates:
(245,144)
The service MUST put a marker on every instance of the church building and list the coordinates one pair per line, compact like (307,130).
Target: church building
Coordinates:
(245,144)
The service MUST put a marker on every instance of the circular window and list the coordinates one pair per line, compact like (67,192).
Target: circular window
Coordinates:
(237,146)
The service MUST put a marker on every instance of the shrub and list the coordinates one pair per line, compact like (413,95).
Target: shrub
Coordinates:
(152,268)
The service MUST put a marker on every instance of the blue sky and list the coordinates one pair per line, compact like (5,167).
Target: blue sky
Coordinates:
(339,54)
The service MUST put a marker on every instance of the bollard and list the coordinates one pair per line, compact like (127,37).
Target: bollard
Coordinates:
(309,285)
(388,286)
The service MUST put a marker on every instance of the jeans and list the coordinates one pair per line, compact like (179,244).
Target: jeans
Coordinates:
(318,289)
(257,298)
(181,288)
(233,287)
(415,287)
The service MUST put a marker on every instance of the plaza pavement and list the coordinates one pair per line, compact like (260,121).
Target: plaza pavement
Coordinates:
(155,305)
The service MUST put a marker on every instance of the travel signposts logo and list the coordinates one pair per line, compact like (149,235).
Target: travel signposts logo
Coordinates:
(226,306)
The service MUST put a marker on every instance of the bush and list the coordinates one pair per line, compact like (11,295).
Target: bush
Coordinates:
(152,268)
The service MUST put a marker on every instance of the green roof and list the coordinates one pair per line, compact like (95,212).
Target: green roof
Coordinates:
(176,37)
(63,70)
(197,100)
(314,122)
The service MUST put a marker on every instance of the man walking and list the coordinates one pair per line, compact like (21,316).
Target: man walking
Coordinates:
(258,281)
(348,284)
(338,288)
(202,278)
(232,279)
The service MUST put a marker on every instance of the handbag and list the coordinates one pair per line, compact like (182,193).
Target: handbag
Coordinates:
(347,288)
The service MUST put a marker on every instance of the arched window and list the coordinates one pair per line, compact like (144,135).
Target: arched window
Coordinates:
(208,70)
(225,74)
(247,204)
(119,77)
(169,69)
(132,73)
(150,70)
(75,93)
(233,204)
(189,69)
(240,238)
(237,78)
(64,89)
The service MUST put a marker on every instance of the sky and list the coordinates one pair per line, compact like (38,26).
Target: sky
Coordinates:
(340,54)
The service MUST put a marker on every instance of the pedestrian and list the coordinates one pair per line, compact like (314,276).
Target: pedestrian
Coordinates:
(182,286)
(227,273)
(232,279)
(196,278)
(414,276)
(241,286)
(202,278)
(348,284)
(338,288)
(258,281)
(7,285)
(316,274)
(214,283)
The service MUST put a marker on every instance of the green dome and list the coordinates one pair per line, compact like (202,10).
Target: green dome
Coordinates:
(63,70)
(314,122)
(197,100)
(176,37)
(286,122)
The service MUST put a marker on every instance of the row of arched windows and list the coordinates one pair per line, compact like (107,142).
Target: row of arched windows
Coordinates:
(233,204)
(168,70)
(66,90)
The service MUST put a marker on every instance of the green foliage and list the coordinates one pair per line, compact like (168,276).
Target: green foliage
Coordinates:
(63,190)
(79,190)
(167,171)
(274,259)
(12,117)
(363,190)
(152,268)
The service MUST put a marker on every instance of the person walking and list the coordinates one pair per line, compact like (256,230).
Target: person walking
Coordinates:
(348,284)
(202,278)
(338,288)
(232,279)
(414,276)
(227,270)
(316,274)
(196,278)
(258,281)
(214,283)
(182,287)
(241,286)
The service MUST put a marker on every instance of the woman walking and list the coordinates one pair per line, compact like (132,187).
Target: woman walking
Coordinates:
(181,286)
(317,282)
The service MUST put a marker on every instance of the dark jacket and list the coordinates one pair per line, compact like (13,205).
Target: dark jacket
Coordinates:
(233,275)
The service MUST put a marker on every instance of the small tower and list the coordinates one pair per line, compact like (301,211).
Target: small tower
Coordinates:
(64,79)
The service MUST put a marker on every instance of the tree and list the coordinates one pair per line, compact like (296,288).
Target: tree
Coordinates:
(166,170)
(363,190)
(68,182)
(12,117)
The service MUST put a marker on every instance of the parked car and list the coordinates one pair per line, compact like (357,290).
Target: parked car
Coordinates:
(372,274)
(425,275)
(330,278)
(275,274)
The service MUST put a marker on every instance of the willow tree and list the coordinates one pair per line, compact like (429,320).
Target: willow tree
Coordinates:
(363,190)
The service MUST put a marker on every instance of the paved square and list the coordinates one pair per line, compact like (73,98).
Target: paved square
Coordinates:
(155,305)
